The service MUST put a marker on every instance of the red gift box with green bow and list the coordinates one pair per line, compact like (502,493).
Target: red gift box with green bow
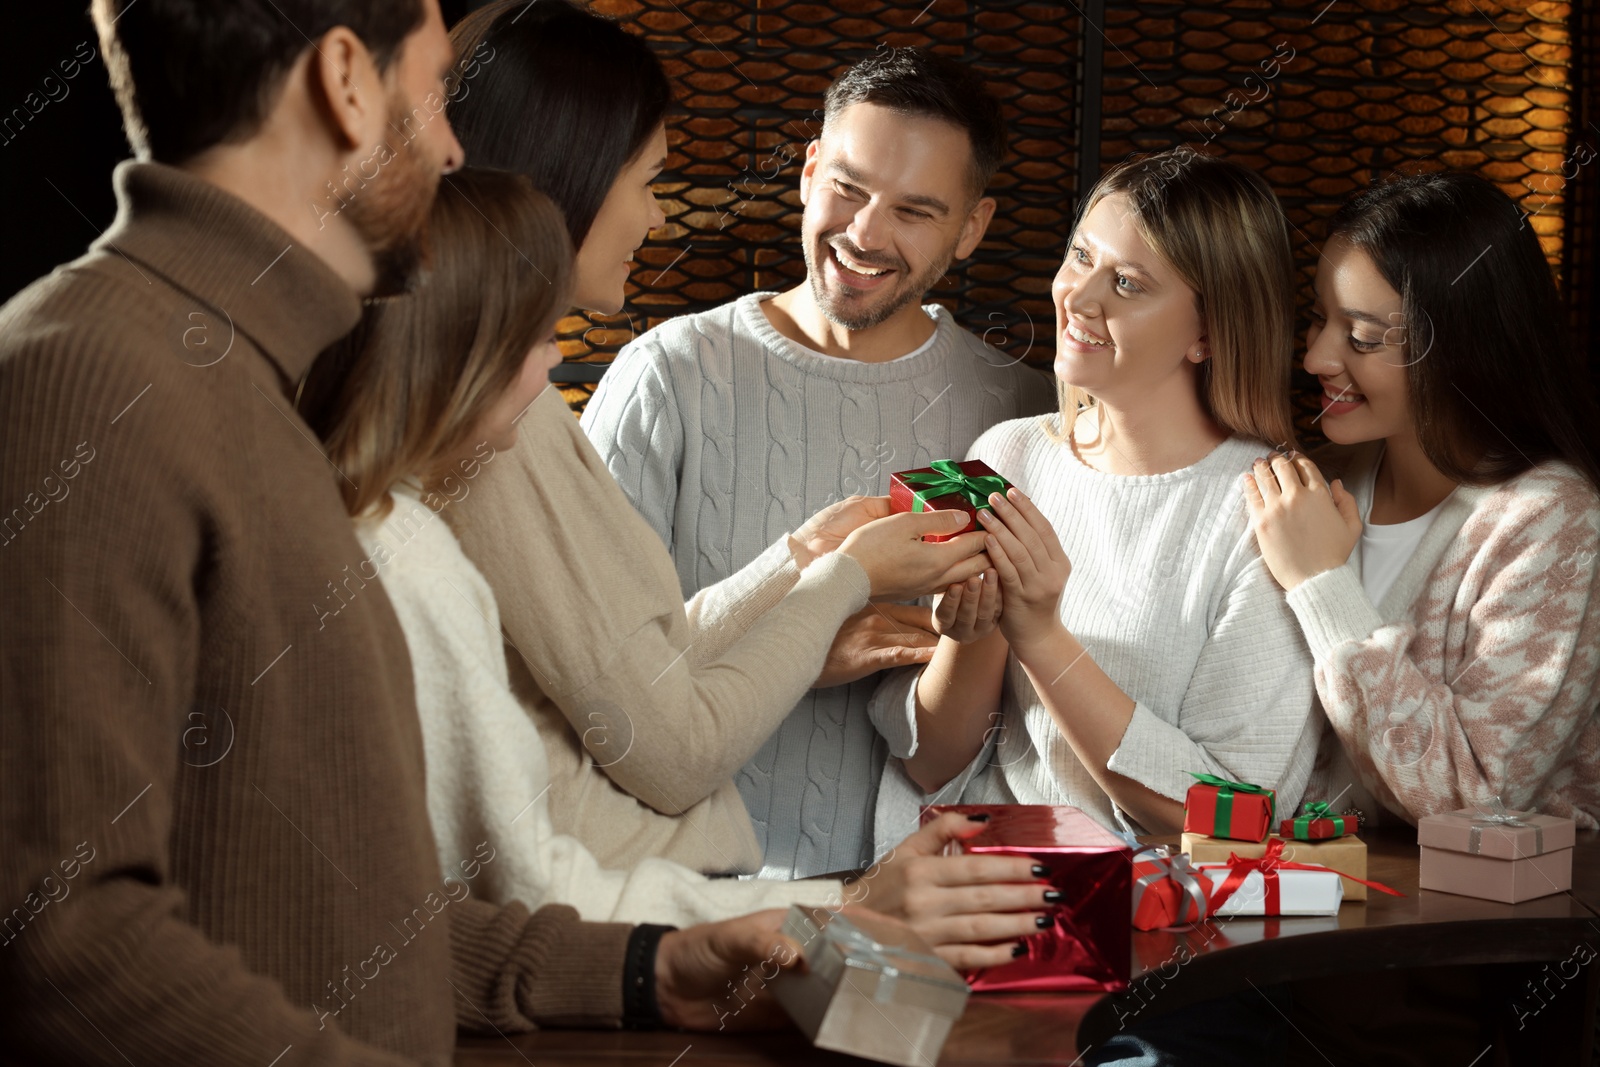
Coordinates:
(1317,823)
(1217,807)
(946,486)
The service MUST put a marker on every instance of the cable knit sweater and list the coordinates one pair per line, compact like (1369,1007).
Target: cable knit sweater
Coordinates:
(1169,595)
(488,777)
(1476,676)
(724,434)
(646,705)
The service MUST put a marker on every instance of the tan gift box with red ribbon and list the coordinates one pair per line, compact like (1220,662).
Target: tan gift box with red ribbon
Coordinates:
(1347,855)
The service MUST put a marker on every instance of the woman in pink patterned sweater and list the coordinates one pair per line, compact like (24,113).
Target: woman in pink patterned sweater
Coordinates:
(1447,580)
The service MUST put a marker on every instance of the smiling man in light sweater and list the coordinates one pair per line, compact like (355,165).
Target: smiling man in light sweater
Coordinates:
(729,427)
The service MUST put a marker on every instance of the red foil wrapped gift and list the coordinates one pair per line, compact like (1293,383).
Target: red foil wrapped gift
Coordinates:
(1217,807)
(947,486)
(1088,946)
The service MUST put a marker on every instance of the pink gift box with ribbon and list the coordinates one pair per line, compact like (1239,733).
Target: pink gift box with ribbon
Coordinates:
(1495,853)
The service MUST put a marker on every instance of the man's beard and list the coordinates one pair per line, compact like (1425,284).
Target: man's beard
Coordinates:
(861,313)
(391,213)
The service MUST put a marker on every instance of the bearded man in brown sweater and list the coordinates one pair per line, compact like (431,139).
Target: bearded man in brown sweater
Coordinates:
(216,847)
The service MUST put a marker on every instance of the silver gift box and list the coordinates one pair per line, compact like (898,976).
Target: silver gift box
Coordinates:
(873,989)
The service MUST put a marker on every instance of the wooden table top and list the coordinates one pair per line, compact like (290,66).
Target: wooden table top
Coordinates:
(1586,871)
(1171,969)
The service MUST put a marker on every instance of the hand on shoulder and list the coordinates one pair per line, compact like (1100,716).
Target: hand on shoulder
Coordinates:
(1304,525)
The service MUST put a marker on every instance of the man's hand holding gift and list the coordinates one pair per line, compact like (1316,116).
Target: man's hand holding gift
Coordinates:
(877,638)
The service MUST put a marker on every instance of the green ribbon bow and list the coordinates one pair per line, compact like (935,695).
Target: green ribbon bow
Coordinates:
(1317,809)
(948,479)
(1225,794)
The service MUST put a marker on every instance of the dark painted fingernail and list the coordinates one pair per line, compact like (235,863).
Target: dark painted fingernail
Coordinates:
(1052,896)
(1041,871)
(1019,950)
(981,816)
(1043,922)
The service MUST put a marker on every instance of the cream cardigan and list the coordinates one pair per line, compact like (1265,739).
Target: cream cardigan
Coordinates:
(488,779)
(647,706)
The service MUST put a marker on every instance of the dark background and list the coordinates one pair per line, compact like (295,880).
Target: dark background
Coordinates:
(1373,86)
(55,165)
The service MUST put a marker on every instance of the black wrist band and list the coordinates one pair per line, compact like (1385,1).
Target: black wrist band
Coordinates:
(639,1008)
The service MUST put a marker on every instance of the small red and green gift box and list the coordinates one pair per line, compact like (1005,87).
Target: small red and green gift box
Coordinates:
(947,486)
(1217,807)
(1317,823)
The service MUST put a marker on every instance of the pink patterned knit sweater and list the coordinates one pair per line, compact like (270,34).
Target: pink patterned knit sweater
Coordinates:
(1476,676)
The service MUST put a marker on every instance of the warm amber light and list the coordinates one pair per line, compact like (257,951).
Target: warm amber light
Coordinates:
(1320,97)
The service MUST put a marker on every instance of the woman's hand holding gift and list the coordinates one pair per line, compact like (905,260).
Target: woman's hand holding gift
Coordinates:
(1303,525)
(889,546)
(973,909)
(827,529)
(1031,565)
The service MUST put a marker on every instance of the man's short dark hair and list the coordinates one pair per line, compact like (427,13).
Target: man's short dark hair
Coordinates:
(914,81)
(190,74)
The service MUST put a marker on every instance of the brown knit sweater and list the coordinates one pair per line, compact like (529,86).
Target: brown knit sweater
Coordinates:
(215,842)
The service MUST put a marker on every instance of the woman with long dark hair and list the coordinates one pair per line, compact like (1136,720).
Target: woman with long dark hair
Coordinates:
(648,706)
(578,105)
(1446,579)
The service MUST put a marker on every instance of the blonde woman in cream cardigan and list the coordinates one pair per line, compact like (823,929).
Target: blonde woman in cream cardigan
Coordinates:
(418,408)
(1446,579)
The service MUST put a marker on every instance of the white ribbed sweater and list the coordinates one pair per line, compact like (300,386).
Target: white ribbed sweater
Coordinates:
(725,435)
(1168,593)
(488,778)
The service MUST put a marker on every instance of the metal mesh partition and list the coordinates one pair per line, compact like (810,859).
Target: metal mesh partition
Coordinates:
(750,78)
(1320,97)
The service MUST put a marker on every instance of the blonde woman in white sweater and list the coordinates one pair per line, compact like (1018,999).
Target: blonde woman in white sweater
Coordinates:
(1128,633)
(1447,578)
(413,407)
